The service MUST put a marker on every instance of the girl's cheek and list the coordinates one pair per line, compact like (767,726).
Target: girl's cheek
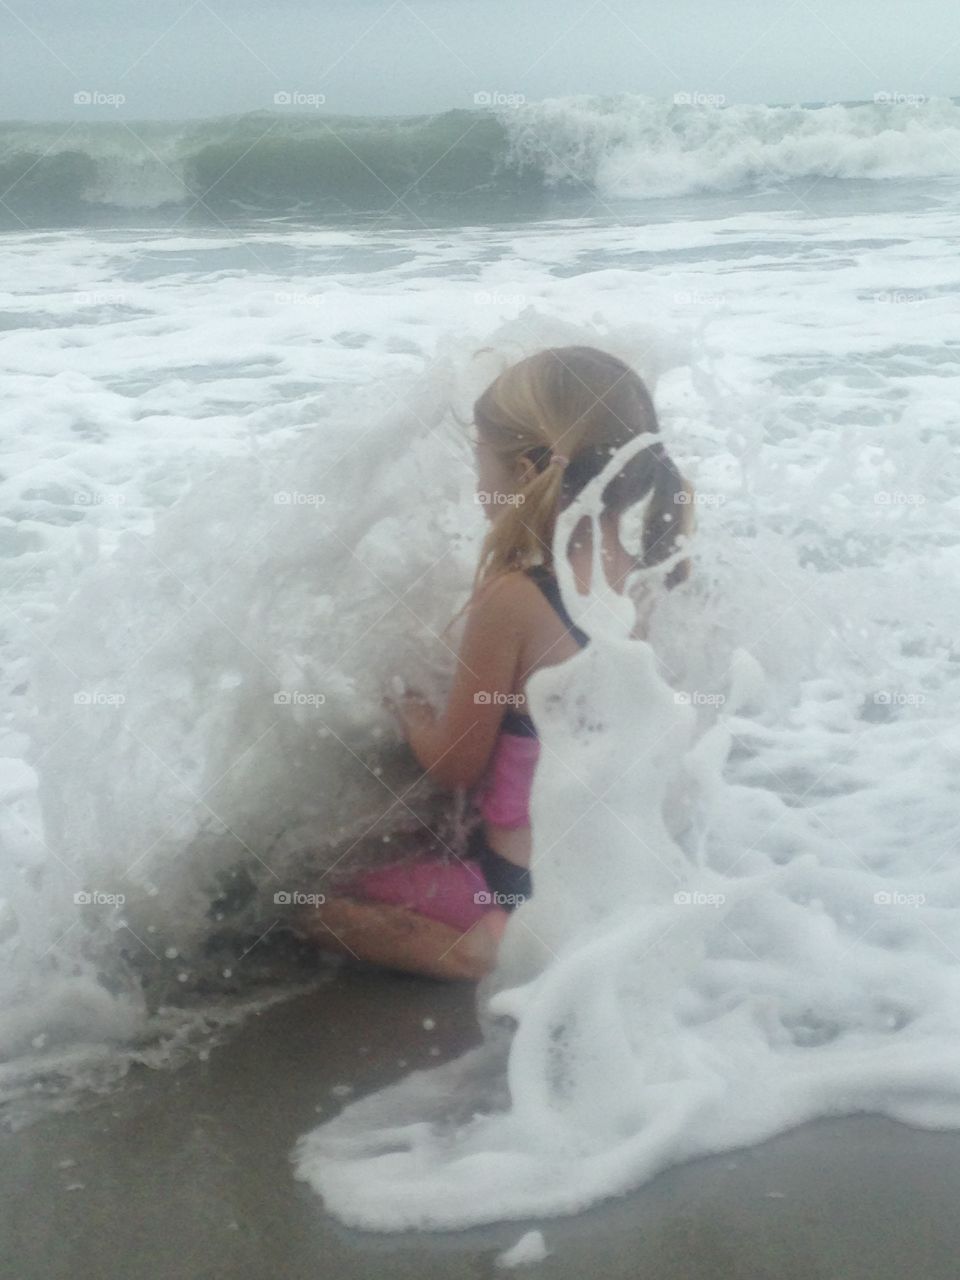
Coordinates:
(493,481)
(483,492)
(486,487)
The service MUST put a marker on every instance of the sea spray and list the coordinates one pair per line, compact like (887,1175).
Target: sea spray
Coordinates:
(198,696)
(783,935)
(206,729)
(605,864)
(139,365)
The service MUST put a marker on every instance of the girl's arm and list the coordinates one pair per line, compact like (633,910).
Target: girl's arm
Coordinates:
(454,748)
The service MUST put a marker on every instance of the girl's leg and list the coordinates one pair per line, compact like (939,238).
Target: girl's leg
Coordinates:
(395,937)
(450,890)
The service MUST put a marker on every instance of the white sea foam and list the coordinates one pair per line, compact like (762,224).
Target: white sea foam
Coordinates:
(528,1249)
(805,371)
(789,951)
(631,146)
(746,895)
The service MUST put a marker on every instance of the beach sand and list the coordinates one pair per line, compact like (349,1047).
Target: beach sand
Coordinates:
(187,1174)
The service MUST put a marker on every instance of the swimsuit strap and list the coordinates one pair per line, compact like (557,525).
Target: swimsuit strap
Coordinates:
(518,722)
(547,582)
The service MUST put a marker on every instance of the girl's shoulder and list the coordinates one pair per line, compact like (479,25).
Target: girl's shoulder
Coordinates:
(513,592)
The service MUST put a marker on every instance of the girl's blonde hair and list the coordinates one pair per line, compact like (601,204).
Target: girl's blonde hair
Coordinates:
(583,404)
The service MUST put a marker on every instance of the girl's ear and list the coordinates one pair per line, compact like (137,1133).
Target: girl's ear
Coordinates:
(524,469)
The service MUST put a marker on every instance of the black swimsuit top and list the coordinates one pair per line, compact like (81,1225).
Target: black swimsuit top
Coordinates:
(519,722)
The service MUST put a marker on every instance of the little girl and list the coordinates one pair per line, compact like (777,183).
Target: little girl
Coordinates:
(545,428)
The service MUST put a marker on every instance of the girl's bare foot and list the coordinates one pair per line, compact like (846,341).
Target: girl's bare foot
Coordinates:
(396,938)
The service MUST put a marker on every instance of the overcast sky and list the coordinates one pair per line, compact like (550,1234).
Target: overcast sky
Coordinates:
(178,58)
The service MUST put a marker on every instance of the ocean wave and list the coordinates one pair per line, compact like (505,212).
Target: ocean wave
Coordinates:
(523,158)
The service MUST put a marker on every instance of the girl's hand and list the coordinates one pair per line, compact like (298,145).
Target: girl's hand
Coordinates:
(391,701)
(411,710)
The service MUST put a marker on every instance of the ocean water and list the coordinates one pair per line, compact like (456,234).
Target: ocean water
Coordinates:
(237,500)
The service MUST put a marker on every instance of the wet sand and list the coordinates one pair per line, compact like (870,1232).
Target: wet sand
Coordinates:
(187,1174)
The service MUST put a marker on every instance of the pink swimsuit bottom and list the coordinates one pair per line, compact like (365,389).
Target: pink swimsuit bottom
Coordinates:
(457,892)
(454,892)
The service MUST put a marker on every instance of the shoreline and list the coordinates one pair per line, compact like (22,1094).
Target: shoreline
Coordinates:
(187,1173)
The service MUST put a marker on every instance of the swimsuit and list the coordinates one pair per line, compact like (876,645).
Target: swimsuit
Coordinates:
(459,893)
(504,792)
